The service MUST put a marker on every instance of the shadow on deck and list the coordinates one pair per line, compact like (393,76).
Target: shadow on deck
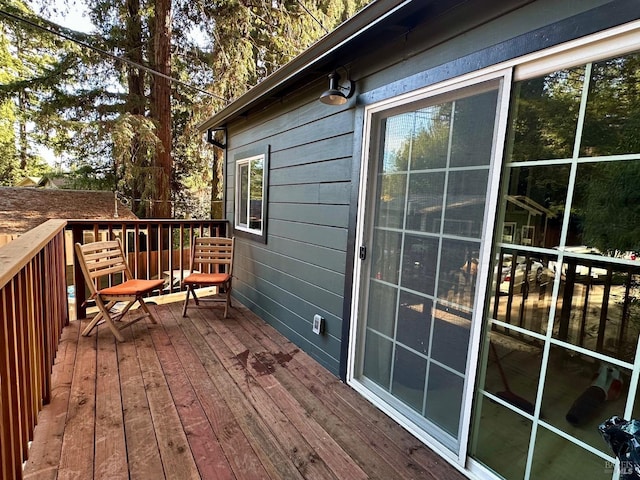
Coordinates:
(206,398)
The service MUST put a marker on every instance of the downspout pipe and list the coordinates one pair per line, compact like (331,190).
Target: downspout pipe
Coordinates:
(211,134)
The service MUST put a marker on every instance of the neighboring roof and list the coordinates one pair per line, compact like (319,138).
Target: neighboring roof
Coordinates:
(22,209)
(374,25)
(29,182)
(59,181)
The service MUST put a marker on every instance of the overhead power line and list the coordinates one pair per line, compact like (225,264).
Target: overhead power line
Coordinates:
(312,16)
(104,52)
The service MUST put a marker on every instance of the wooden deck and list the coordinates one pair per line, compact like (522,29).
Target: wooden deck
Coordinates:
(206,398)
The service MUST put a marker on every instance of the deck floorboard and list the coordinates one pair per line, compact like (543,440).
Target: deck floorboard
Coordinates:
(202,397)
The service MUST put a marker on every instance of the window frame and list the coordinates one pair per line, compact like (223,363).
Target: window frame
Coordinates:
(241,160)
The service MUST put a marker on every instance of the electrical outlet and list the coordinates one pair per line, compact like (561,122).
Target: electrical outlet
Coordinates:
(318,324)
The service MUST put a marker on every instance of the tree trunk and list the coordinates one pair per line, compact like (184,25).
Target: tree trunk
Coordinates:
(135,98)
(161,108)
(22,134)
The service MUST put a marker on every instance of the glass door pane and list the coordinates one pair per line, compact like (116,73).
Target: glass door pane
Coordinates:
(432,161)
(562,324)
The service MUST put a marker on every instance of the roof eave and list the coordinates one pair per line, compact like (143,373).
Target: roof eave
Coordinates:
(369,16)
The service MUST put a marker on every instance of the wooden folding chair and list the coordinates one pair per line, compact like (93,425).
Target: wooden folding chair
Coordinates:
(99,259)
(211,265)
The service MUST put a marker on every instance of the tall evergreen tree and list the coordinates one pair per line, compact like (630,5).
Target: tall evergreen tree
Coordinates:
(30,64)
(120,120)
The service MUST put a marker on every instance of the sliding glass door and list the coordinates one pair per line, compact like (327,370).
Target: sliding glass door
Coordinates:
(424,214)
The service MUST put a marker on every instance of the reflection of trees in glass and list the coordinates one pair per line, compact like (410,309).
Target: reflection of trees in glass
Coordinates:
(256,179)
(396,132)
(431,138)
(255,193)
(425,139)
(546,185)
(421,136)
(472,136)
(545,112)
(391,194)
(243,195)
(612,122)
(607,205)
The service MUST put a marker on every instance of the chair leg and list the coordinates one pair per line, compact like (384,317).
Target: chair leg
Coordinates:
(107,318)
(186,300)
(227,293)
(96,319)
(92,324)
(146,309)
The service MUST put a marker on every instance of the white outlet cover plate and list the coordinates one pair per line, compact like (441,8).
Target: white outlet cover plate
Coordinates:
(317,324)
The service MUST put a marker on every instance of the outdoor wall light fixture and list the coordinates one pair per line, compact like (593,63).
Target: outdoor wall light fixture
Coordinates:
(337,93)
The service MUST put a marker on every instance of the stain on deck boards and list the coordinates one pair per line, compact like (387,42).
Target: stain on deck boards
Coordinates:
(225,399)
(264,362)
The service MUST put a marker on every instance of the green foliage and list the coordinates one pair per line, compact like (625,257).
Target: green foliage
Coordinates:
(96,113)
(610,205)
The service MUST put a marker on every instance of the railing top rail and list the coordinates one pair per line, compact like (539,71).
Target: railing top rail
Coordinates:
(17,253)
(143,221)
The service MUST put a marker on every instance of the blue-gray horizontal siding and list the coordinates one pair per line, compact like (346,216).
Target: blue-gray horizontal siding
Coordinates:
(305,268)
(300,271)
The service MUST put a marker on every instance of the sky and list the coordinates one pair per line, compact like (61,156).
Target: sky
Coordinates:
(74,19)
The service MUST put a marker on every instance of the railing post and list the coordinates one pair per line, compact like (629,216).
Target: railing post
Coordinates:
(80,288)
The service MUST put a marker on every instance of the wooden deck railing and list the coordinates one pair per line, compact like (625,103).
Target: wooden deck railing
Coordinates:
(36,270)
(33,311)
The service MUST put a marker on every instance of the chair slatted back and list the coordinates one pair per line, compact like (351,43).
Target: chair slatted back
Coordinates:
(99,259)
(212,254)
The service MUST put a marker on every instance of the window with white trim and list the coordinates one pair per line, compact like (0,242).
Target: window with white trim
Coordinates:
(250,201)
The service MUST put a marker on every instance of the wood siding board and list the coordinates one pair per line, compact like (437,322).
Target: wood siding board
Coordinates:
(317,275)
(319,235)
(302,307)
(334,193)
(318,151)
(297,194)
(338,170)
(328,258)
(276,122)
(319,128)
(326,215)
(331,302)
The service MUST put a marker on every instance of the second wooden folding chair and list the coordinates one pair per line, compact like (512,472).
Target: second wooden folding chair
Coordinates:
(211,265)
